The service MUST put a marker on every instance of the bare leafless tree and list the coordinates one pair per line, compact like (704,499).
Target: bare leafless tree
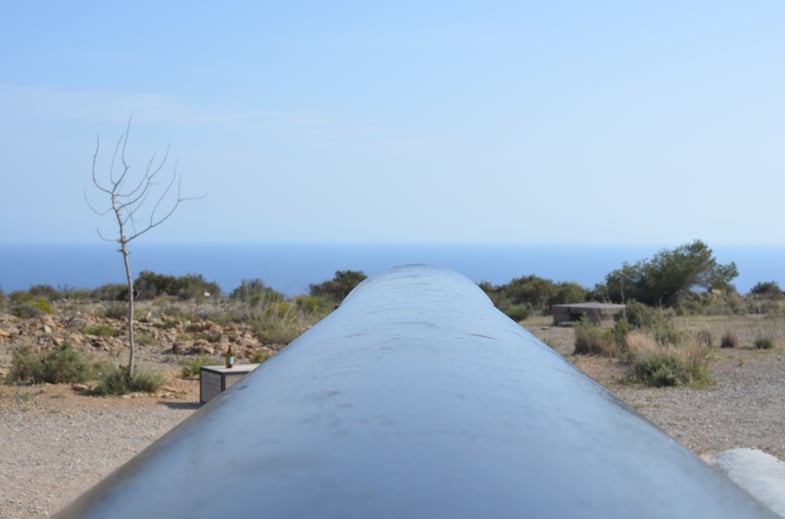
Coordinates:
(138,203)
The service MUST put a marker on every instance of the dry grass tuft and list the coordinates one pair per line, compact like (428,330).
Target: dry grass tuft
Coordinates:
(657,364)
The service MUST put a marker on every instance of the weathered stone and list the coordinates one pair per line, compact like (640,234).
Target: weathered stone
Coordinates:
(79,387)
(202,346)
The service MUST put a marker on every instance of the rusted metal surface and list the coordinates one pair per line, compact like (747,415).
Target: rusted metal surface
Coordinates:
(416,398)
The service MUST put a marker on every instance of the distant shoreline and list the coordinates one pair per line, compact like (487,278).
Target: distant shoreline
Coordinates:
(291,268)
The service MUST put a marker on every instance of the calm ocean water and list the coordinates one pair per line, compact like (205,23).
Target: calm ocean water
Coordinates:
(290,268)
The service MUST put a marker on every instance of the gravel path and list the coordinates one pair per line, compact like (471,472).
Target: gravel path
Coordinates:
(745,408)
(56,444)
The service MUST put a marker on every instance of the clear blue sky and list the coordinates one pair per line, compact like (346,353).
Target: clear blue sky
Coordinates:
(611,122)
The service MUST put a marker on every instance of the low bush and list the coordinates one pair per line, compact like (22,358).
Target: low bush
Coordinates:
(259,357)
(278,323)
(767,289)
(111,292)
(46,292)
(26,307)
(593,339)
(639,315)
(116,310)
(24,311)
(313,305)
(729,339)
(60,366)
(518,312)
(255,292)
(192,367)
(115,381)
(276,331)
(144,339)
(764,343)
(101,330)
(664,365)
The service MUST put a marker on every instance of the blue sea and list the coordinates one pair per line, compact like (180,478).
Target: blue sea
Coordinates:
(291,268)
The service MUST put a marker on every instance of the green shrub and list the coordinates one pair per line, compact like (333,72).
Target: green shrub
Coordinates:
(665,333)
(254,292)
(729,339)
(313,305)
(764,343)
(767,289)
(641,316)
(593,339)
(18,297)
(111,292)
(60,366)
(150,285)
(270,331)
(660,365)
(193,367)
(661,371)
(46,292)
(278,323)
(144,339)
(101,330)
(115,381)
(259,357)
(24,311)
(339,287)
(25,306)
(518,312)
(652,321)
(116,310)
(727,302)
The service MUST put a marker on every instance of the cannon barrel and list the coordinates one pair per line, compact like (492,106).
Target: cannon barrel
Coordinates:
(416,398)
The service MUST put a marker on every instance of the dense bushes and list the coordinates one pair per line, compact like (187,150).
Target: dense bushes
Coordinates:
(65,365)
(647,341)
(767,290)
(27,305)
(670,274)
(339,287)
(594,339)
(526,296)
(116,381)
(661,364)
(254,292)
(150,285)
(62,365)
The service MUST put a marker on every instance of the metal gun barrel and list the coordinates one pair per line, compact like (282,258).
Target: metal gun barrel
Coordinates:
(416,398)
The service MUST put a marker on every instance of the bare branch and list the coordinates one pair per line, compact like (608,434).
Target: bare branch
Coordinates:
(127,205)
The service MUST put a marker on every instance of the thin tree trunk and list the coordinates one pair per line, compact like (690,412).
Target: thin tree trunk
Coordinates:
(130,282)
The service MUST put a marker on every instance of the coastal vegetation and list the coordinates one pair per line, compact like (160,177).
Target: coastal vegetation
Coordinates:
(191,321)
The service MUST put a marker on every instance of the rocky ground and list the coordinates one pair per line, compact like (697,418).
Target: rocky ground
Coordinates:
(744,407)
(57,442)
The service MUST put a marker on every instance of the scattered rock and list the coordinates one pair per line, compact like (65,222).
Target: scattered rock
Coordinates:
(79,387)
